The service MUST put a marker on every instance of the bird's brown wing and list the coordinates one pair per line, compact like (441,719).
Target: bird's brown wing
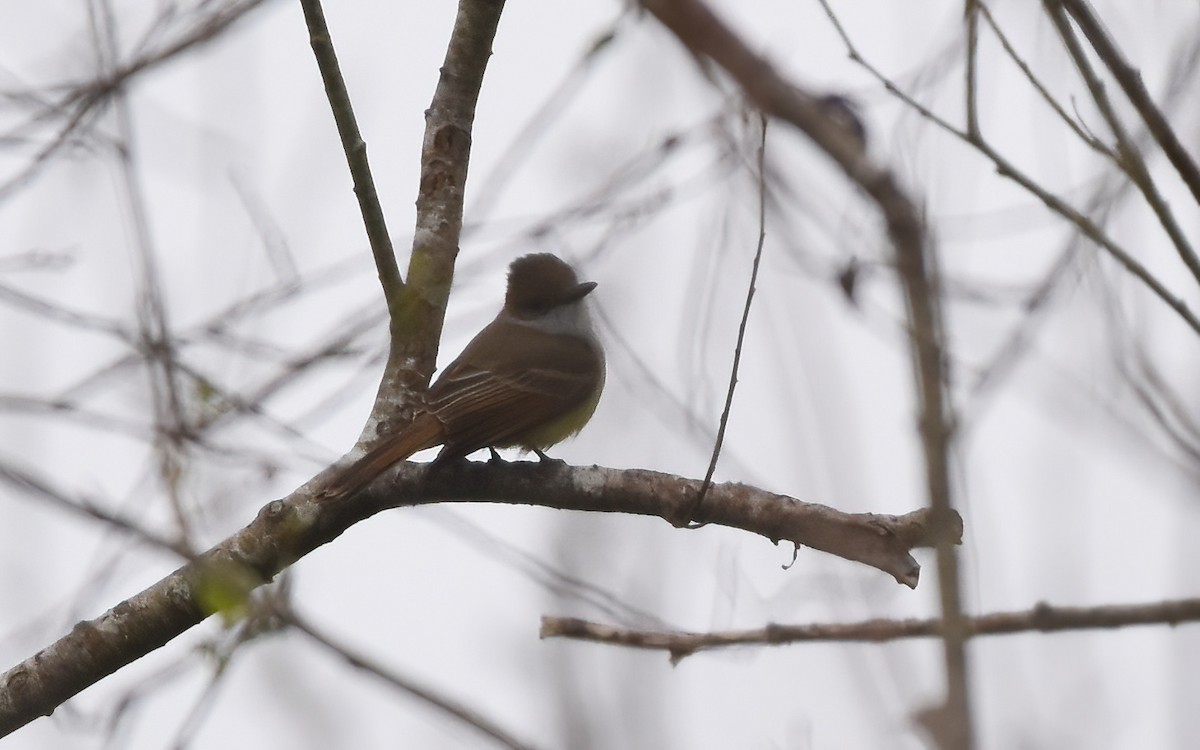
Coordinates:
(497,407)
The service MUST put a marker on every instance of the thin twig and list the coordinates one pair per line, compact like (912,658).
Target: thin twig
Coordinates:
(1043,618)
(971,14)
(741,337)
(84,101)
(1130,158)
(1085,137)
(417,312)
(1006,168)
(154,333)
(145,622)
(356,152)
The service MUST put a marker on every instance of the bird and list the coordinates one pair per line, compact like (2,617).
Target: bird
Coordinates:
(529,379)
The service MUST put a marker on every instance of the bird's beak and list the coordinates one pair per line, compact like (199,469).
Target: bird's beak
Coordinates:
(581,291)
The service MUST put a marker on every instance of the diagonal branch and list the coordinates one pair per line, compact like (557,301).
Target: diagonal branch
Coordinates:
(1129,157)
(356,150)
(79,107)
(1006,168)
(1130,81)
(288,529)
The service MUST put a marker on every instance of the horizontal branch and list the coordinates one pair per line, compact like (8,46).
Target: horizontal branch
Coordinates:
(1043,618)
(881,541)
(286,530)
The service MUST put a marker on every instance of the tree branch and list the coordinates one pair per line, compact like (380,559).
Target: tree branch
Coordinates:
(1043,618)
(355,149)
(286,530)
(82,100)
(1130,81)
(1006,168)
(1129,158)
(420,308)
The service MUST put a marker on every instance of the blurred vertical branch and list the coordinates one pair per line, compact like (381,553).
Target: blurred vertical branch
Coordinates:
(224,577)
(1122,148)
(706,35)
(173,428)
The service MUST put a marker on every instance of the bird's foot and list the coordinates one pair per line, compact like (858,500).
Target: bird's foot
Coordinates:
(544,460)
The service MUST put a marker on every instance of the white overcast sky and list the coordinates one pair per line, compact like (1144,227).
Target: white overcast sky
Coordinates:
(1068,492)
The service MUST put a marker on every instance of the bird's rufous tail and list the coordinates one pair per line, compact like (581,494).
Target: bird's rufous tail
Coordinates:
(425,432)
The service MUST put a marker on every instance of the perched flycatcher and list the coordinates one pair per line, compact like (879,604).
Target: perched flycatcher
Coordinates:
(531,378)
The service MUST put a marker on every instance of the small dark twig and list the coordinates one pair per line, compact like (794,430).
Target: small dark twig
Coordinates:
(1130,81)
(1129,156)
(741,337)
(1043,618)
(971,14)
(1008,169)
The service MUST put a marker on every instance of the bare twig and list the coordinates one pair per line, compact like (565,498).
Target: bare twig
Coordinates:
(155,337)
(356,152)
(1006,168)
(970,89)
(510,159)
(40,488)
(1170,412)
(48,310)
(741,337)
(84,100)
(1130,158)
(1085,137)
(1130,81)
(1043,618)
